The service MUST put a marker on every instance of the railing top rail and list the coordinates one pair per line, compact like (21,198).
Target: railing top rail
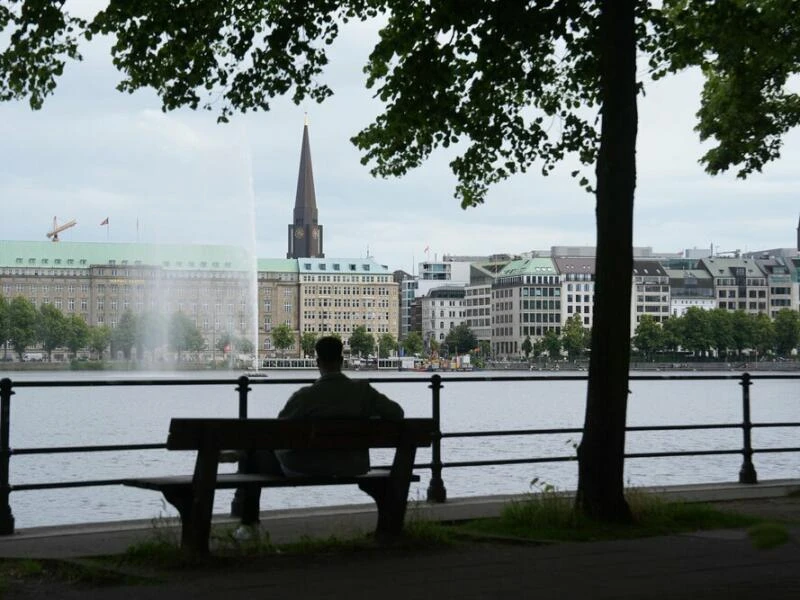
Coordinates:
(267,380)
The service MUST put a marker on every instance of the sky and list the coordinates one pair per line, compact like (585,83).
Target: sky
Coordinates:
(94,153)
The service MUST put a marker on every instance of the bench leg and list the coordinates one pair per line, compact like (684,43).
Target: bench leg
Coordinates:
(195,519)
(391,506)
(250,505)
(181,499)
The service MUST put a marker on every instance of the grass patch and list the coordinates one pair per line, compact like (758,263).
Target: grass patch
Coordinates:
(20,568)
(551,516)
(91,573)
(162,551)
(768,535)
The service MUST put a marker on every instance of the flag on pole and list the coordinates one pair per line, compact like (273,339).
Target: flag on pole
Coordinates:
(104,222)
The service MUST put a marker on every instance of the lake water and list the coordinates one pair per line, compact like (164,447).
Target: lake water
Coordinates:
(42,417)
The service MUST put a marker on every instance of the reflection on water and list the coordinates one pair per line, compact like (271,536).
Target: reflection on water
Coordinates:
(135,415)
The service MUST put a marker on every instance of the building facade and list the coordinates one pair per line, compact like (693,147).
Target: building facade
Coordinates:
(442,310)
(338,294)
(213,285)
(526,301)
(690,288)
(577,288)
(739,284)
(650,294)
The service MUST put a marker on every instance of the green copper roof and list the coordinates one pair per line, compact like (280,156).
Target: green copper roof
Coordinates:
(277,265)
(76,255)
(529,266)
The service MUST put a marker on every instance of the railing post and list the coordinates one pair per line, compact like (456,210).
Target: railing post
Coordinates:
(6,517)
(243,388)
(240,497)
(436,490)
(747,474)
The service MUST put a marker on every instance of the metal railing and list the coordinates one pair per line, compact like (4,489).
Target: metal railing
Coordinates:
(436,491)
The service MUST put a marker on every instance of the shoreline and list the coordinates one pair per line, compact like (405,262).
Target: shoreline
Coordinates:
(689,367)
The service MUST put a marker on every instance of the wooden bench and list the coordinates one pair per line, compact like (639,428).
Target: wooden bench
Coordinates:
(193,495)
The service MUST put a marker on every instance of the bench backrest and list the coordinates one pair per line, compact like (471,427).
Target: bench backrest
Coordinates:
(270,434)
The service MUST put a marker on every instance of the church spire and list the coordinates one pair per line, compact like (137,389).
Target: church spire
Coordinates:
(305,234)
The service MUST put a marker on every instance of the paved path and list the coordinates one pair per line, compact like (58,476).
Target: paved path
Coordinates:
(698,566)
(702,566)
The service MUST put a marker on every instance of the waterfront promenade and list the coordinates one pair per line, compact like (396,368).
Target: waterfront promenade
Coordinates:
(713,564)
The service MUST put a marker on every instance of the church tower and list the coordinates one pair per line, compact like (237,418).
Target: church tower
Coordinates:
(305,233)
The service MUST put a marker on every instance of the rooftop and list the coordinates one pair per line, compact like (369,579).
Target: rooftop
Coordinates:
(341,265)
(82,255)
(529,266)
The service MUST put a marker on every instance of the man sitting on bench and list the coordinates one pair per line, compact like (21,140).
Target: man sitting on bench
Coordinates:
(333,395)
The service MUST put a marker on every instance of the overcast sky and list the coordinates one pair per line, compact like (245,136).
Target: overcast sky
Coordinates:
(93,153)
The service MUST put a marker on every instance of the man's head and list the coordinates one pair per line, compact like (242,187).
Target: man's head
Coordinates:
(329,354)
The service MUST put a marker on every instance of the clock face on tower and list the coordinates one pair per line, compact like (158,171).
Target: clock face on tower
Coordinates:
(298,232)
(315,232)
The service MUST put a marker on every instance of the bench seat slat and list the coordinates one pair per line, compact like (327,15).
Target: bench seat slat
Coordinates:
(235,480)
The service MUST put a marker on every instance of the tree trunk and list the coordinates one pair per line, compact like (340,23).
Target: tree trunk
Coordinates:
(602,448)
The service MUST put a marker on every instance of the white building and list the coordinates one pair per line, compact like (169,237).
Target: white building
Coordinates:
(577,288)
(650,292)
(442,311)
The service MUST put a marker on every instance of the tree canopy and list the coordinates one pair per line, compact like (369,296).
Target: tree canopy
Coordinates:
(283,337)
(386,345)
(361,341)
(307,342)
(527,346)
(5,324)
(461,339)
(22,319)
(552,343)
(51,328)
(99,339)
(77,334)
(413,343)
(574,338)
(183,335)
(649,336)
(124,335)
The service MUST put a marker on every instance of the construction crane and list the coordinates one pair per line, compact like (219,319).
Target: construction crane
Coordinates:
(53,235)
